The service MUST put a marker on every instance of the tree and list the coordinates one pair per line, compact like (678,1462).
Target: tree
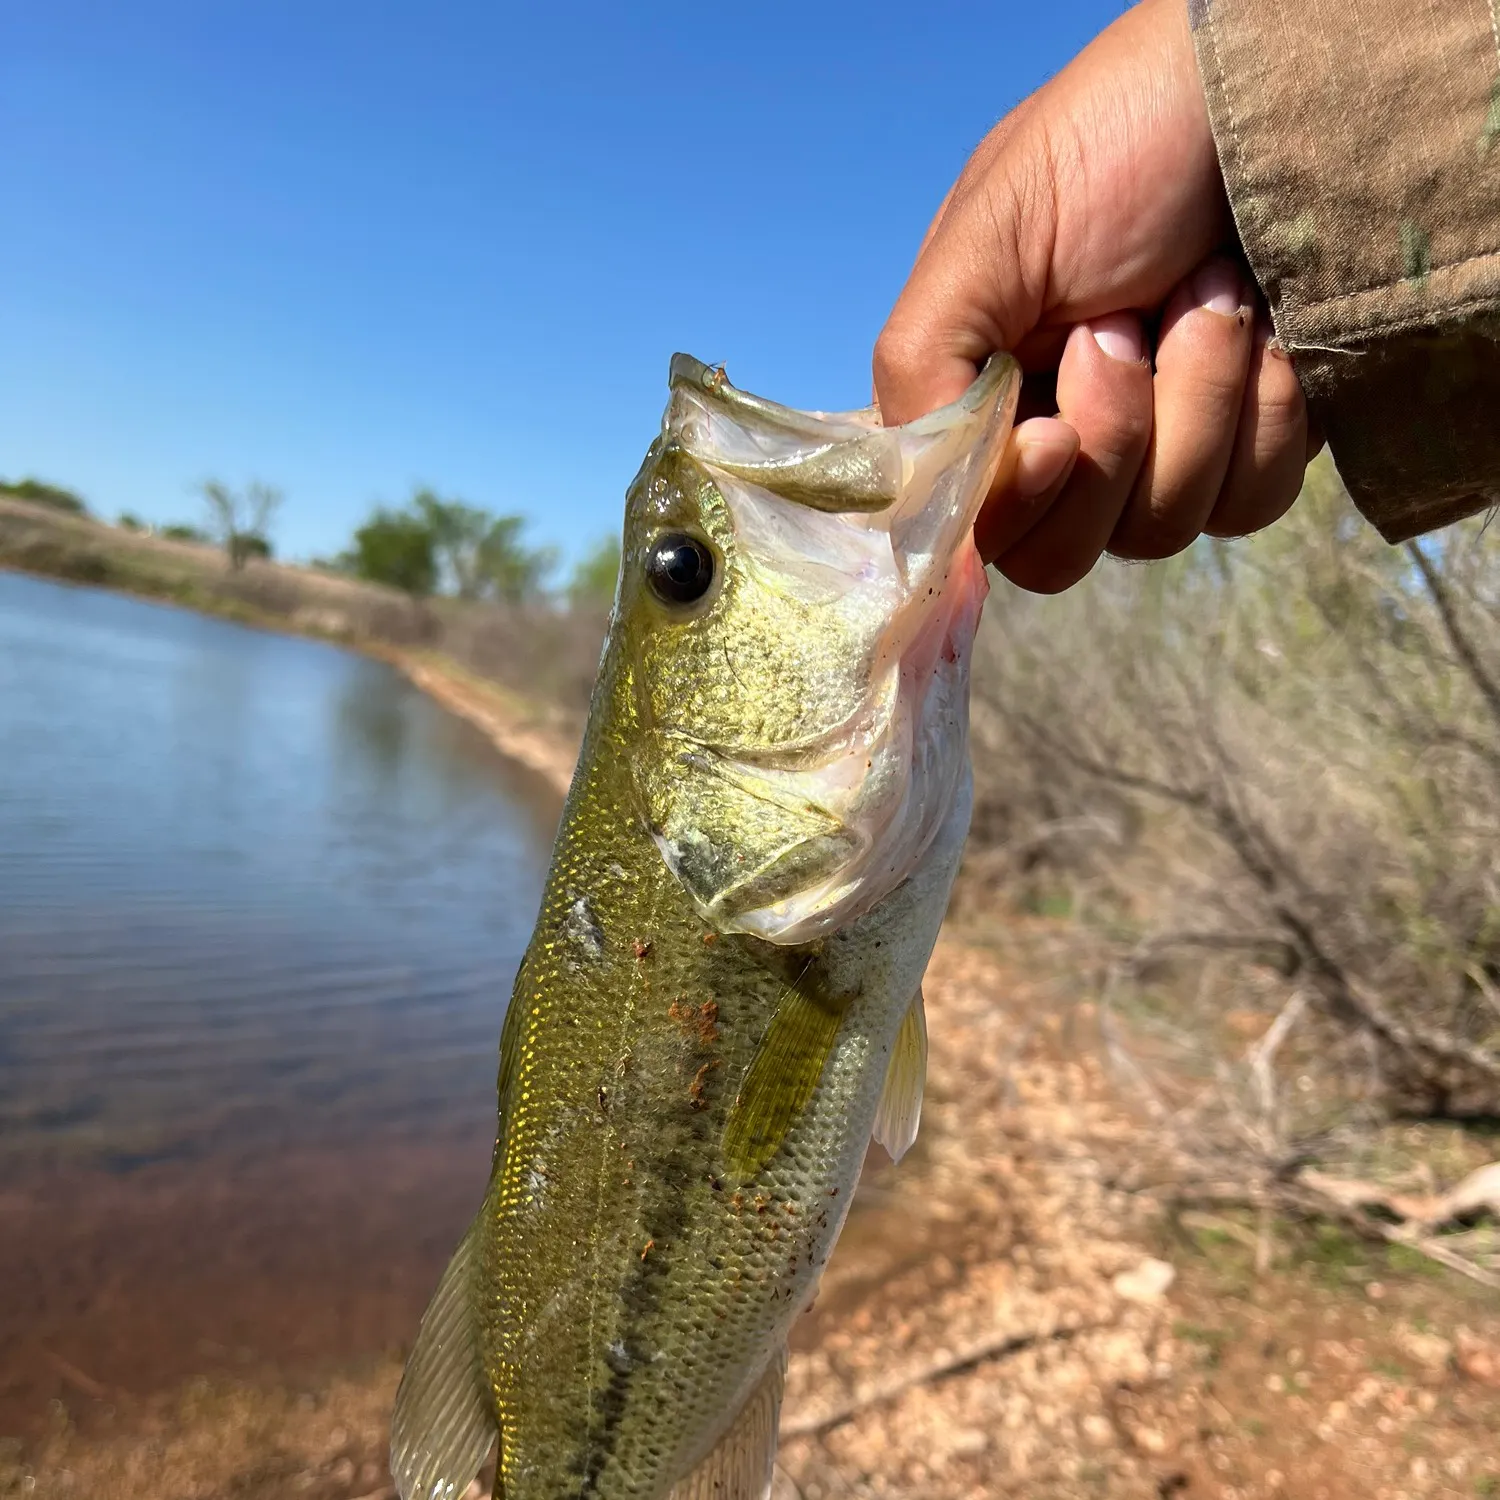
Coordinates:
(507,569)
(481,554)
(394,548)
(457,531)
(592,585)
(38,492)
(240,521)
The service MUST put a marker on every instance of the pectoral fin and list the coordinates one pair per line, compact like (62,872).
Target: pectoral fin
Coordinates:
(742,1465)
(443,1426)
(900,1108)
(784,1071)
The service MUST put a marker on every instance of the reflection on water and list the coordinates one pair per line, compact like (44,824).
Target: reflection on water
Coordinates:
(255,893)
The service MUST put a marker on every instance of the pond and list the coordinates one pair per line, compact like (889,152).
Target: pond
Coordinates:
(261,905)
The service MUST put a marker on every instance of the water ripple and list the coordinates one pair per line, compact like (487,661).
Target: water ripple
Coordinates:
(252,888)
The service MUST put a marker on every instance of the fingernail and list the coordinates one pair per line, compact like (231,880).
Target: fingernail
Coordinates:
(1043,463)
(1119,336)
(1218,287)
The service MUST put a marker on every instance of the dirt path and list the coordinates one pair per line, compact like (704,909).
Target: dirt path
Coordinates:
(999,1320)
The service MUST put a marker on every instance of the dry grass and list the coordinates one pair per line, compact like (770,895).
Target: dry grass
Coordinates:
(1282,755)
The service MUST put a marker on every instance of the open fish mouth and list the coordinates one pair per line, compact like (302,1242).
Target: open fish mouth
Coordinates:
(868,531)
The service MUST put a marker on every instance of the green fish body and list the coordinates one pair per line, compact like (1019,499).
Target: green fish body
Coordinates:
(721,999)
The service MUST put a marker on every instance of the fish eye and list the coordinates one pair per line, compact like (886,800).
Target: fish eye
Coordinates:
(679,568)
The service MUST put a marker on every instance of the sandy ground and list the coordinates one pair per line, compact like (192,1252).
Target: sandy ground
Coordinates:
(1000,1319)
(1037,1331)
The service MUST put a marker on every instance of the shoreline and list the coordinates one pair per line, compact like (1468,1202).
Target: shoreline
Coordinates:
(520,730)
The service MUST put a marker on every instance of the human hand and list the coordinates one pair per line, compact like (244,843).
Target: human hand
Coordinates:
(1091,217)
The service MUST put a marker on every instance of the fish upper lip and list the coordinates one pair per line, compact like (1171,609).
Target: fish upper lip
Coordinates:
(712,380)
(841,462)
(686,370)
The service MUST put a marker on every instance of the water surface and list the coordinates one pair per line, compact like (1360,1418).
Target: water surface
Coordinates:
(261,904)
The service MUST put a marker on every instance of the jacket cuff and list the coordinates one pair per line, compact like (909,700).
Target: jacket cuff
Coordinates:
(1360,144)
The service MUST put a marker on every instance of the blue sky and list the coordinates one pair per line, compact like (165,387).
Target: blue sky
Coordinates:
(347,248)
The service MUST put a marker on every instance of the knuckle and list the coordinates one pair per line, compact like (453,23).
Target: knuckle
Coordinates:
(1253,505)
(1211,379)
(1205,365)
(1165,520)
(1281,410)
(1221,385)
(1122,435)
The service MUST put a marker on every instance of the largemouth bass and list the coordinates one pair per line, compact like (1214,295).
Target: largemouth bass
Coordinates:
(721,1001)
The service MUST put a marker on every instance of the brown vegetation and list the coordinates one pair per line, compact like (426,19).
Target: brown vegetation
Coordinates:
(1266,779)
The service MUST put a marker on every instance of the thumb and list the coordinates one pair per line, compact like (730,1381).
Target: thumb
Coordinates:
(977,284)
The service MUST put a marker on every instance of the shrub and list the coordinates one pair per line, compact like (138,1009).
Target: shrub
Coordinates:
(1289,748)
(36,492)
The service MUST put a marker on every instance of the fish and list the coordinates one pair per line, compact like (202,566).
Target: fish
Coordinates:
(721,1002)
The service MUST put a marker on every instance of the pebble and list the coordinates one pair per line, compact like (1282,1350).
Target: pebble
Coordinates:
(969,1442)
(1098,1429)
(1428,1349)
(1478,1360)
(1146,1283)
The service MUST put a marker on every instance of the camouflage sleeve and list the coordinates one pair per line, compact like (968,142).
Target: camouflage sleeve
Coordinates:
(1360,140)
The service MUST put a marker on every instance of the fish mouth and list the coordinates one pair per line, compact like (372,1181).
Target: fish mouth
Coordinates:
(873,525)
(869,523)
(837,462)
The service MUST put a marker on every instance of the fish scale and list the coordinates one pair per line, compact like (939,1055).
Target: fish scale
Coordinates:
(639,1149)
(749,876)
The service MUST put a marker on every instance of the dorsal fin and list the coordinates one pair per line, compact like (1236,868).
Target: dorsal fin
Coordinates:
(443,1426)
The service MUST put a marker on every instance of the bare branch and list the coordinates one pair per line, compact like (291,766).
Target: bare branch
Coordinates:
(1463,648)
